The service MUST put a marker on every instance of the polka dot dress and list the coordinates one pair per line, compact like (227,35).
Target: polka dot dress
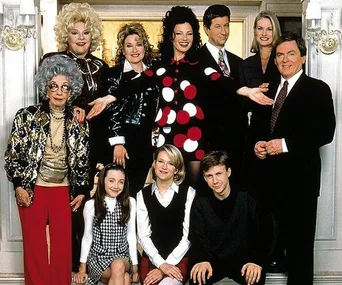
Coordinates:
(181,116)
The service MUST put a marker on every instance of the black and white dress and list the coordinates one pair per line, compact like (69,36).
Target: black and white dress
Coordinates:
(101,244)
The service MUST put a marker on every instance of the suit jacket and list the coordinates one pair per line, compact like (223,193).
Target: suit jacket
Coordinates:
(251,74)
(306,122)
(234,62)
(224,109)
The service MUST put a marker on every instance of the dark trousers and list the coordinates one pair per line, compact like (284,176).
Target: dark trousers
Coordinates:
(296,219)
(138,165)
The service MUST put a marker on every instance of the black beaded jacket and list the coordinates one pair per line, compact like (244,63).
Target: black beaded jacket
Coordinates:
(26,147)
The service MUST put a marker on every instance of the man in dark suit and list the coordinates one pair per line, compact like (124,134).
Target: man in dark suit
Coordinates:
(224,116)
(287,146)
(216,25)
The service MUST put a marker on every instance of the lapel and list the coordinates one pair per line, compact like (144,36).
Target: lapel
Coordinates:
(295,91)
(255,63)
(273,89)
(291,103)
(210,59)
(234,64)
(45,116)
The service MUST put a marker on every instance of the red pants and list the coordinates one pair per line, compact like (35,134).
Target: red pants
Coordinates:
(146,266)
(50,206)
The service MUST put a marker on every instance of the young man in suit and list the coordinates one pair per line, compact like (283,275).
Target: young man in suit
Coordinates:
(224,109)
(287,139)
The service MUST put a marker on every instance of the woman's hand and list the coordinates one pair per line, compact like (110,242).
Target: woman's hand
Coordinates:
(79,114)
(154,276)
(171,271)
(77,202)
(98,105)
(135,274)
(120,155)
(256,94)
(23,197)
(81,276)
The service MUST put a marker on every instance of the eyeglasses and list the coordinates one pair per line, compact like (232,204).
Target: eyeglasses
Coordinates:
(54,87)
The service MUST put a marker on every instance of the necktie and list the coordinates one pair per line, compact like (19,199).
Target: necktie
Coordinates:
(222,64)
(278,104)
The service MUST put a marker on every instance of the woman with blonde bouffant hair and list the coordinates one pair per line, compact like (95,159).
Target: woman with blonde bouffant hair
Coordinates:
(73,13)
(78,32)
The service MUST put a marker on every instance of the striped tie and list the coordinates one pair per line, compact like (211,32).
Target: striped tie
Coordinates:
(278,104)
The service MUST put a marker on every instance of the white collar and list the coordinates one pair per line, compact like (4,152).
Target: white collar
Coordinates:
(128,67)
(111,203)
(214,52)
(173,187)
(292,80)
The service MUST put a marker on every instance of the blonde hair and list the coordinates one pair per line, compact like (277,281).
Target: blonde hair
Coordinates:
(177,160)
(276,33)
(73,13)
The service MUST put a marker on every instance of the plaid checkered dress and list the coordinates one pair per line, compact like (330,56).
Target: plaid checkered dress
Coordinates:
(109,243)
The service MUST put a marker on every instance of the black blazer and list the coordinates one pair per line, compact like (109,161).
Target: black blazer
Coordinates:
(234,62)
(224,109)
(306,122)
(251,74)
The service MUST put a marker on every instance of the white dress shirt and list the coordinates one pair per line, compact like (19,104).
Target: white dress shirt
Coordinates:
(291,82)
(89,213)
(144,226)
(215,54)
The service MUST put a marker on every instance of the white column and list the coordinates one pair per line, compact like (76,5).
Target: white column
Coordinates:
(48,10)
(328,246)
(17,69)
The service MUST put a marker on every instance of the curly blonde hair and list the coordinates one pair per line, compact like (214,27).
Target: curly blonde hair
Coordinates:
(133,29)
(73,13)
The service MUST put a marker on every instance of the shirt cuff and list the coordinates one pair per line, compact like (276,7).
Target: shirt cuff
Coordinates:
(284,146)
(159,261)
(116,140)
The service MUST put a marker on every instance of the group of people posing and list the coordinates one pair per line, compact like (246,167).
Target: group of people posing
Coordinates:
(233,144)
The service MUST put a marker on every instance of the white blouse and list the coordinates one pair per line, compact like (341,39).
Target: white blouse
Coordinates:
(144,226)
(89,213)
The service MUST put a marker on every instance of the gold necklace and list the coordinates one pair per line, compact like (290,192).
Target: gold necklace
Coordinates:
(57,148)
(53,115)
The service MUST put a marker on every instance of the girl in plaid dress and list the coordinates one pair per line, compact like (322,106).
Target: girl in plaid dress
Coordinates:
(109,247)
